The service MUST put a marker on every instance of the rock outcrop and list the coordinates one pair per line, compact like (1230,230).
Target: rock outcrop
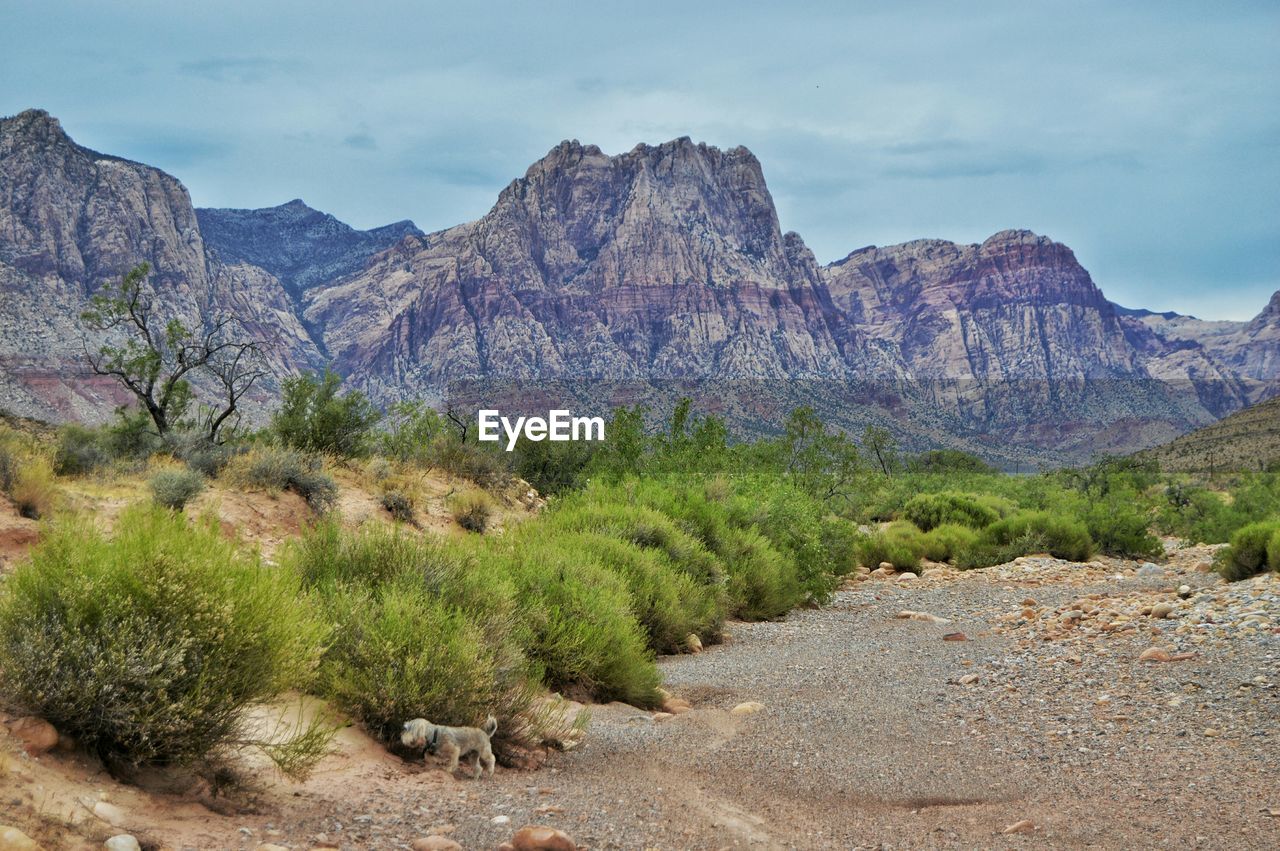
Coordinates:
(300,246)
(665,262)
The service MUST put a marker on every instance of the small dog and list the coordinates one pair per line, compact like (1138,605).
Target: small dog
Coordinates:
(452,742)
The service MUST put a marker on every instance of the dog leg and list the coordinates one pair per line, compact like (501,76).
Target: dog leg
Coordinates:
(452,752)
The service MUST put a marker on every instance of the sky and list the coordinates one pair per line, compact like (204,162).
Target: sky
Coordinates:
(1146,136)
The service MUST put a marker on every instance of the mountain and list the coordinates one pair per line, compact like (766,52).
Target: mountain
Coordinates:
(666,262)
(1246,440)
(73,220)
(300,246)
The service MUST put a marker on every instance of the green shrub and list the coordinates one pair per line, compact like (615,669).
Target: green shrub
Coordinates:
(579,623)
(402,651)
(199,453)
(800,528)
(1248,553)
(314,417)
(1037,531)
(79,451)
(471,509)
(481,463)
(946,542)
(34,490)
(9,461)
(1120,528)
(399,505)
(928,510)
(175,488)
(643,527)
(667,602)
(1273,552)
(274,468)
(840,540)
(901,544)
(148,646)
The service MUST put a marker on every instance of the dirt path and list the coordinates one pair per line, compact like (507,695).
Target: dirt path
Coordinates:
(875,731)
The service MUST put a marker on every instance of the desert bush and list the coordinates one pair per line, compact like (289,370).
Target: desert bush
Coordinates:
(900,543)
(79,451)
(1120,528)
(1029,532)
(578,621)
(399,505)
(667,602)
(471,509)
(148,646)
(199,453)
(1273,552)
(928,510)
(840,540)
(1248,553)
(477,462)
(274,468)
(947,541)
(34,490)
(314,417)
(948,461)
(175,488)
(799,526)
(643,527)
(9,461)
(764,580)
(405,652)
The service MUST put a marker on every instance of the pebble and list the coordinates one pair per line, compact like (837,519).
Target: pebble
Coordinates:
(124,842)
(109,813)
(1151,569)
(500,820)
(1024,826)
(750,707)
(12,839)
(435,843)
(955,636)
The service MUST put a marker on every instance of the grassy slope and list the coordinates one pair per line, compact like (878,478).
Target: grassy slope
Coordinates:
(1246,440)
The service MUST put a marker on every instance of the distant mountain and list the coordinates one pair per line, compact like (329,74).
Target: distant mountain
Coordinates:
(300,246)
(1246,440)
(665,262)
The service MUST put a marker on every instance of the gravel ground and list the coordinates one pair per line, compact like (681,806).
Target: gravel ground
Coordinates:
(1041,728)
(876,732)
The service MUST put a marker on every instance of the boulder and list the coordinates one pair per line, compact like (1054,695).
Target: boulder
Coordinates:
(537,838)
(36,734)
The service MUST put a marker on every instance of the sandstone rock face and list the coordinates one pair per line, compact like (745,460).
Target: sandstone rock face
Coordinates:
(664,262)
(73,220)
(300,246)
(1018,306)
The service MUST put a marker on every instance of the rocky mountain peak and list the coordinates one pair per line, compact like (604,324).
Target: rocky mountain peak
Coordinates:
(299,245)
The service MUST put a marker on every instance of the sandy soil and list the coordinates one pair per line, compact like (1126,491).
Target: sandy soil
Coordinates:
(1040,729)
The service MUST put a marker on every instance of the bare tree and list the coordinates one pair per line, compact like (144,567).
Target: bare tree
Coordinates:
(156,358)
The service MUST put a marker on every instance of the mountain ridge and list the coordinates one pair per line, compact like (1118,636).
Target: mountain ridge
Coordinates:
(666,261)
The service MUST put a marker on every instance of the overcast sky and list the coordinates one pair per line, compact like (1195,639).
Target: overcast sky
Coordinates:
(1145,137)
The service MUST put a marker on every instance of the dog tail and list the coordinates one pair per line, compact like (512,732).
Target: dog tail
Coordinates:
(490,726)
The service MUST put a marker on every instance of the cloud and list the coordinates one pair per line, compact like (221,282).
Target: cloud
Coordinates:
(361,141)
(254,69)
(1142,134)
